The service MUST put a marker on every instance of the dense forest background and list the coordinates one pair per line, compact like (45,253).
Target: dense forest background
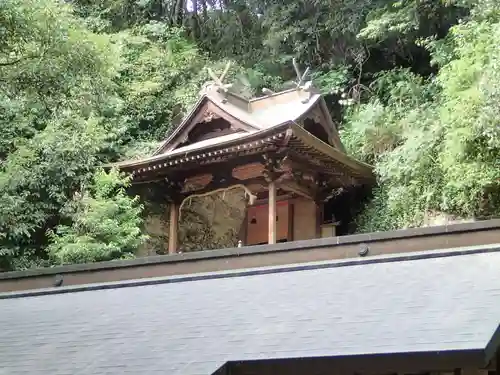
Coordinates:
(413,84)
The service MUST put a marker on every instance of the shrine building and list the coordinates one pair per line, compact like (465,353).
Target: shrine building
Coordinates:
(283,148)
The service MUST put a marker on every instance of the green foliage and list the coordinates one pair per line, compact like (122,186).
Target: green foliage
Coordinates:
(395,19)
(416,82)
(159,76)
(38,178)
(370,131)
(319,32)
(105,223)
(334,81)
(58,117)
(49,60)
(447,154)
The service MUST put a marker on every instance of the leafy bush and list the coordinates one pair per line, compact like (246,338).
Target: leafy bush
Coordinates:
(105,223)
(441,152)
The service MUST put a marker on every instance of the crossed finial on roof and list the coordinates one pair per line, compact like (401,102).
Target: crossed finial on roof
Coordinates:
(219,81)
(302,82)
(301,78)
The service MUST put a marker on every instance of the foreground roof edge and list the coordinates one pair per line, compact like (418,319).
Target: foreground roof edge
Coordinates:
(374,237)
(391,258)
(439,361)
(493,346)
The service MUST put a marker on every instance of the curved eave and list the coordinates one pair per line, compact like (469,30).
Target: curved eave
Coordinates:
(244,142)
(307,138)
(254,141)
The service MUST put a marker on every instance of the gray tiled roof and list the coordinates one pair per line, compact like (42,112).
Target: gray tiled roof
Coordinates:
(194,326)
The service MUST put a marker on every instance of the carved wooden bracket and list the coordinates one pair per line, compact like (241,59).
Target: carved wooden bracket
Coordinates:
(274,166)
(173,188)
(326,192)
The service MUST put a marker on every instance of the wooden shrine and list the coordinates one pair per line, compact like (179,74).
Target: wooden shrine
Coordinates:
(283,148)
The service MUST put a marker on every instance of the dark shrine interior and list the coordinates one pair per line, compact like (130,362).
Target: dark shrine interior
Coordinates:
(344,207)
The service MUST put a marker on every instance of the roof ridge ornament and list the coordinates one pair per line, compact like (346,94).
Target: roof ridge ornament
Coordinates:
(217,83)
(301,77)
(302,82)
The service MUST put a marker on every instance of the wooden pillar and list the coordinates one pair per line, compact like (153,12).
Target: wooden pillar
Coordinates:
(243,232)
(173,242)
(290,222)
(319,218)
(272,213)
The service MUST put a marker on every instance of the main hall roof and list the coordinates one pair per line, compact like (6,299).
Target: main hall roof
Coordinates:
(267,122)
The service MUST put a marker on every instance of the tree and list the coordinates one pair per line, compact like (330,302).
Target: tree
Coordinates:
(413,84)
(58,107)
(443,152)
(105,223)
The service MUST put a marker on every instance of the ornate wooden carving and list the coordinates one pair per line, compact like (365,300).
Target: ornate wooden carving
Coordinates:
(274,166)
(247,171)
(314,115)
(209,116)
(196,182)
(327,190)
(173,189)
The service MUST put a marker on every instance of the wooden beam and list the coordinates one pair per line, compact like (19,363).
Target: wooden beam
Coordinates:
(181,171)
(272,213)
(279,198)
(174,227)
(215,185)
(296,188)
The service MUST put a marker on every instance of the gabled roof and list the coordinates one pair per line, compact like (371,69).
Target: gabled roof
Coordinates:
(256,114)
(429,303)
(252,126)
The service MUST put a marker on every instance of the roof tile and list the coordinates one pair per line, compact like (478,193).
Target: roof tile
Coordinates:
(194,327)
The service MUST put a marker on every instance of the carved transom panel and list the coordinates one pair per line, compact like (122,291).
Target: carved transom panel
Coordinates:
(209,116)
(196,182)
(315,115)
(248,171)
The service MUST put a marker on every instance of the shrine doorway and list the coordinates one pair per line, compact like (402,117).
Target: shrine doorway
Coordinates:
(258,223)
